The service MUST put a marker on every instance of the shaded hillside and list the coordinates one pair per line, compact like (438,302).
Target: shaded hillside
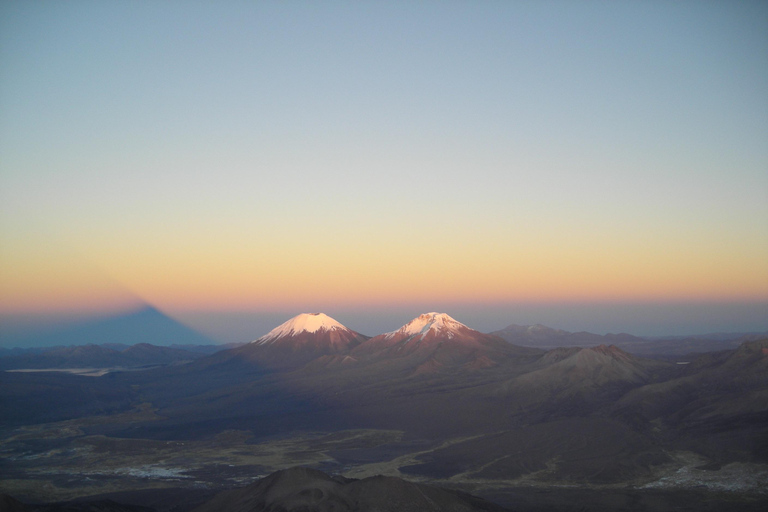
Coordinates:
(308,490)
(10,504)
(685,346)
(592,408)
(573,375)
(593,450)
(28,398)
(717,404)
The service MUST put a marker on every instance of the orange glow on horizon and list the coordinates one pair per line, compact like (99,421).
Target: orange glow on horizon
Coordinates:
(234,272)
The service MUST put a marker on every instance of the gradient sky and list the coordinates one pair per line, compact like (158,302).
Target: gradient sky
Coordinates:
(484,158)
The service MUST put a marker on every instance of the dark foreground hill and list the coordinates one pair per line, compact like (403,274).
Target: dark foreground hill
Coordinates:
(300,490)
(9,504)
(309,490)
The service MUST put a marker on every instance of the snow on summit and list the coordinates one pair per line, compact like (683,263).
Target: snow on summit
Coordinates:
(422,324)
(305,322)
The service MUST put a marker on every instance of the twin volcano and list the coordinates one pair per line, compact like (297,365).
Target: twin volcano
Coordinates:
(324,332)
(434,337)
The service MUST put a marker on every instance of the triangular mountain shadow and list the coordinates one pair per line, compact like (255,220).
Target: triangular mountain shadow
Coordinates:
(146,325)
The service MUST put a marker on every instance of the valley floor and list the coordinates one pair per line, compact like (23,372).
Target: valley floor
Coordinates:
(62,461)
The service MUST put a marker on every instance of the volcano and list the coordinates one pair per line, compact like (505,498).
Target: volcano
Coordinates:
(436,341)
(314,329)
(428,329)
(301,339)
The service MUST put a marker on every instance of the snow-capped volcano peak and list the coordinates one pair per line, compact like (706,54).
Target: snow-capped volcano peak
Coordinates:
(305,322)
(423,324)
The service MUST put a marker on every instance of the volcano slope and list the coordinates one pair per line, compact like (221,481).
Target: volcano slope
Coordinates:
(593,415)
(438,401)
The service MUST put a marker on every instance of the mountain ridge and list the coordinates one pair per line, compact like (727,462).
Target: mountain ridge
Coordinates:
(302,489)
(99,356)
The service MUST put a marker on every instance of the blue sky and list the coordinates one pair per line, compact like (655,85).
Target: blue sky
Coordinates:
(263,157)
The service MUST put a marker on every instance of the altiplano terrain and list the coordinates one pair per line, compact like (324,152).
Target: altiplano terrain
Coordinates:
(434,402)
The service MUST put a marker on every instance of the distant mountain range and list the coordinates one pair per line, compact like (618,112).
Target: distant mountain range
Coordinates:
(150,326)
(315,336)
(99,356)
(547,338)
(484,410)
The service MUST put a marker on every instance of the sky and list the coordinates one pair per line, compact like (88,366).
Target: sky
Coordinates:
(586,165)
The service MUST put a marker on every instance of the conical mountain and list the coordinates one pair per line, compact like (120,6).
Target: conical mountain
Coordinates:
(316,329)
(426,329)
(436,341)
(431,326)
(587,373)
(299,340)
(596,366)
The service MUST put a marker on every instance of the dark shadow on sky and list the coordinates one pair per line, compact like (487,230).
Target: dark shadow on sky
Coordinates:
(146,325)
